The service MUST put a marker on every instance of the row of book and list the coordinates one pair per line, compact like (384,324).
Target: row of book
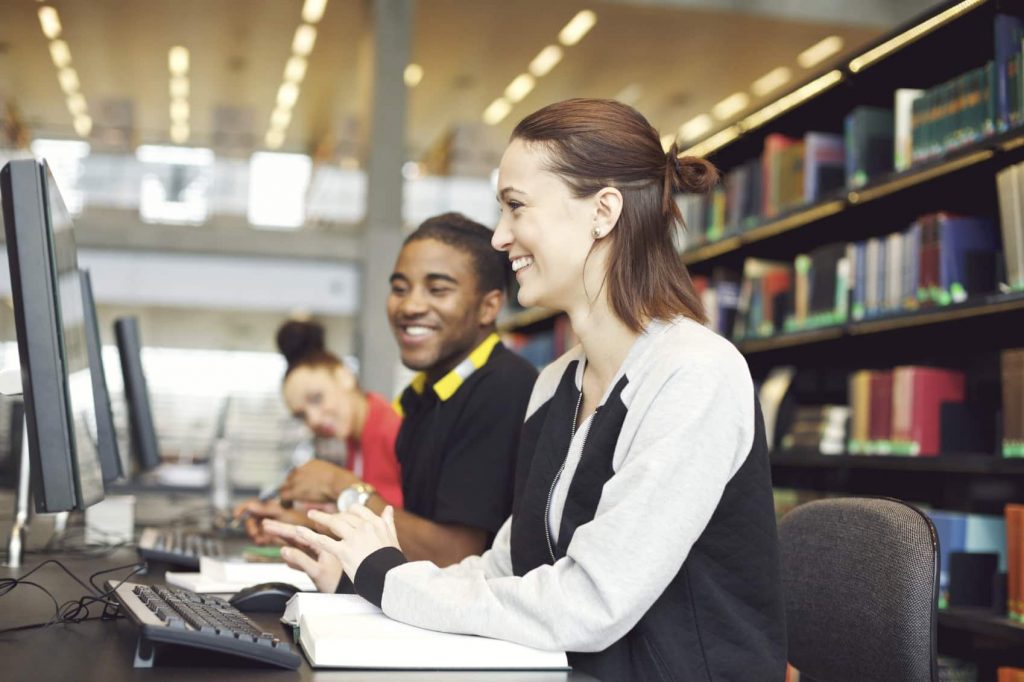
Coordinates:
(902,411)
(1010,188)
(1012,376)
(941,258)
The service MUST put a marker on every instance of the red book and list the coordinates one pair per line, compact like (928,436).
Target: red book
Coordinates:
(880,421)
(930,388)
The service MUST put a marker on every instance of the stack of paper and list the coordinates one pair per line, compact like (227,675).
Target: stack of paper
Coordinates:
(224,576)
(346,631)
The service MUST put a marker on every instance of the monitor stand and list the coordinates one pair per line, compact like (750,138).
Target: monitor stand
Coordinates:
(10,385)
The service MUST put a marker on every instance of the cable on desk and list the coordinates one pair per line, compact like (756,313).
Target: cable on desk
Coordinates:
(75,610)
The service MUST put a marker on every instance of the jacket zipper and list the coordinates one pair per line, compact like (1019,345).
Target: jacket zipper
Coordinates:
(554,482)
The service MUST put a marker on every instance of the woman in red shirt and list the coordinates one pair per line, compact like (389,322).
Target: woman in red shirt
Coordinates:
(321,391)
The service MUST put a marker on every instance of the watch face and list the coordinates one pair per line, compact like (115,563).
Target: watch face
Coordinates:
(347,498)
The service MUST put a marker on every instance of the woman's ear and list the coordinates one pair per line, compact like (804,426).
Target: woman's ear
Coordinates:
(609,207)
(345,378)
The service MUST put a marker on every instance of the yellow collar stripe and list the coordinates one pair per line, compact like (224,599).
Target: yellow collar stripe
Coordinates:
(446,386)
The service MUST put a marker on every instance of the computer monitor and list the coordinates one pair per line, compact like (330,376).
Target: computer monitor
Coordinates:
(144,445)
(106,434)
(50,322)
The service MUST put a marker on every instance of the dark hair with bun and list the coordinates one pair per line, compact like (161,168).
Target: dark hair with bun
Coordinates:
(598,143)
(301,342)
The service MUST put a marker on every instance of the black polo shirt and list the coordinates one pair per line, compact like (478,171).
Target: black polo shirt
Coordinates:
(459,438)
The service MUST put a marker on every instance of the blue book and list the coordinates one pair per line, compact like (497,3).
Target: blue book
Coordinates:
(1008,33)
(987,534)
(911,264)
(959,236)
(951,527)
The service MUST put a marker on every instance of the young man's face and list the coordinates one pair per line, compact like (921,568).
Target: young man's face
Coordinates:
(436,309)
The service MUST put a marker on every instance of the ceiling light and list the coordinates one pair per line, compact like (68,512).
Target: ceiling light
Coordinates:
(177,60)
(496,112)
(312,10)
(287,95)
(179,87)
(629,94)
(50,22)
(546,60)
(179,111)
(520,87)
(83,125)
(76,104)
(722,137)
(68,81)
(60,54)
(730,106)
(771,81)
(304,40)
(413,75)
(281,118)
(577,27)
(295,69)
(180,133)
(695,127)
(820,51)
(666,141)
(274,139)
(790,100)
(174,156)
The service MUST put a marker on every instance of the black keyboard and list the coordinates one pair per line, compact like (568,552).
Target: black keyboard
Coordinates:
(172,616)
(178,547)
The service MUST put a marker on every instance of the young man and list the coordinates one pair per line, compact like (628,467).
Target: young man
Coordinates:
(462,413)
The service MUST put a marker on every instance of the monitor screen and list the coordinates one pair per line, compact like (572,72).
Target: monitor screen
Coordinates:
(144,445)
(106,435)
(50,323)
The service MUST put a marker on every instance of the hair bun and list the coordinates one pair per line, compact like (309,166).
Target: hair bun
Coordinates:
(298,339)
(695,175)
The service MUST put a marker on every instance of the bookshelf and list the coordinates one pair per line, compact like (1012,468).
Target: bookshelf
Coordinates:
(939,53)
(943,47)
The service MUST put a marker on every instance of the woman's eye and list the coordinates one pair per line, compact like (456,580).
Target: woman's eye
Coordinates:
(514,205)
(314,398)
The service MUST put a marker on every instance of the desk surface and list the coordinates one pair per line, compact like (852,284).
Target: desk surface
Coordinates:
(104,650)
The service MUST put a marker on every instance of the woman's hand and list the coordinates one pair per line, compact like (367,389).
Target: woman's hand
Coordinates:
(253,512)
(316,481)
(322,567)
(361,531)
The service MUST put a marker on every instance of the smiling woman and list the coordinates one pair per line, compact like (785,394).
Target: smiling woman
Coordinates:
(642,539)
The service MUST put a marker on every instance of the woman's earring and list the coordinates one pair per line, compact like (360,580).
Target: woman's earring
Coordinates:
(596,232)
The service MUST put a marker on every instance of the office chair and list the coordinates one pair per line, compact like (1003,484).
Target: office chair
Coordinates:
(861,580)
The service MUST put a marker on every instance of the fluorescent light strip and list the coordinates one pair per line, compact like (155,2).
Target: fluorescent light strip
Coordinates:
(304,40)
(629,94)
(313,10)
(413,75)
(76,105)
(695,127)
(180,132)
(520,87)
(496,112)
(287,95)
(177,60)
(68,81)
(179,87)
(49,20)
(577,27)
(274,138)
(873,55)
(730,106)
(60,54)
(545,60)
(179,111)
(771,81)
(717,140)
(281,118)
(295,69)
(819,52)
(787,102)
(666,141)
(83,125)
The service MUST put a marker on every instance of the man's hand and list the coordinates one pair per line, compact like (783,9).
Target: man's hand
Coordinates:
(316,481)
(322,567)
(254,512)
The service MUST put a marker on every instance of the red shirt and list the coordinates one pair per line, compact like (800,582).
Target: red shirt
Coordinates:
(376,448)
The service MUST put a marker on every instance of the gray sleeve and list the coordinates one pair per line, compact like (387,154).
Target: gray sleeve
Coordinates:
(692,437)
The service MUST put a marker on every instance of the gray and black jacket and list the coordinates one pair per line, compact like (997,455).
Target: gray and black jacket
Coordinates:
(653,554)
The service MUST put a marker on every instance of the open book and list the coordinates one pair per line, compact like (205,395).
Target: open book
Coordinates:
(346,631)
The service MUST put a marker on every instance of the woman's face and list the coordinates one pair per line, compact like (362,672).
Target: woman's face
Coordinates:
(322,398)
(545,230)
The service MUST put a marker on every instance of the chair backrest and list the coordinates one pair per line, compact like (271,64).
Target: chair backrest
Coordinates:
(861,580)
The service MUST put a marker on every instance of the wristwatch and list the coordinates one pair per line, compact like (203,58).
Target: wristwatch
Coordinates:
(357,493)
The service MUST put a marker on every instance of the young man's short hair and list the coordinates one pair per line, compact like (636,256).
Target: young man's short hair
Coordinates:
(493,269)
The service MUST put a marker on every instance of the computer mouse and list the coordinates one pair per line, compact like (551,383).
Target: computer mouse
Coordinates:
(264,598)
